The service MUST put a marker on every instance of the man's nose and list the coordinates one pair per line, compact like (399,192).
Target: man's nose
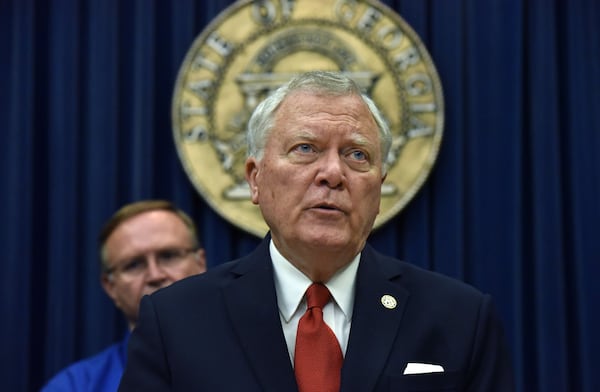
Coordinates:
(330,170)
(154,272)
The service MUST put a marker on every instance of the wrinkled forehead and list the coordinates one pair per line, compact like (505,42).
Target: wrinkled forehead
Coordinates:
(310,104)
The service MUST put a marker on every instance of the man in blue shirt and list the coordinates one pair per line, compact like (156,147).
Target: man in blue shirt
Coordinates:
(144,246)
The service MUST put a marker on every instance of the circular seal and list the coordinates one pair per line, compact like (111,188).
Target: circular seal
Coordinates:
(253,47)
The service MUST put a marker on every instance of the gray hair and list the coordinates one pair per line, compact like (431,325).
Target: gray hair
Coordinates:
(262,120)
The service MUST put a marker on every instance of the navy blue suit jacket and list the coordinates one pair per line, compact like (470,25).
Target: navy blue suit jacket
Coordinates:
(220,331)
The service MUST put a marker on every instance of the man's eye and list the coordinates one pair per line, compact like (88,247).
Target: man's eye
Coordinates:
(169,255)
(304,148)
(134,264)
(358,155)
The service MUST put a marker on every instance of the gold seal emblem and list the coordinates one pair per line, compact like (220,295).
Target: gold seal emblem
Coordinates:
(389,302)
(253,47)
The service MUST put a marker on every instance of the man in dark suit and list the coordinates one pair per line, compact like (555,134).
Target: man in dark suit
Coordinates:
(316,162)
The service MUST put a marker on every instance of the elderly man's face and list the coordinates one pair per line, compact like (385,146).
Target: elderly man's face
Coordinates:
(319,182)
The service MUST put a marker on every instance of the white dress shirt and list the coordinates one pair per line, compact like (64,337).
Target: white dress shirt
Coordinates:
(290,286)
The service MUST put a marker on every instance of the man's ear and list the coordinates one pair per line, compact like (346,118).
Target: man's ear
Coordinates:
(108,285)
(251,178)
(200,257)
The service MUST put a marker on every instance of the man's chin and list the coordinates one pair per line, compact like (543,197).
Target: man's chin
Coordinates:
(327,237)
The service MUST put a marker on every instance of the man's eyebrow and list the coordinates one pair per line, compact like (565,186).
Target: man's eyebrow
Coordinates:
(303,135)
(361,139)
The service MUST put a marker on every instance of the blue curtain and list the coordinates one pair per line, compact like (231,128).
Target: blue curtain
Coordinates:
(510,207)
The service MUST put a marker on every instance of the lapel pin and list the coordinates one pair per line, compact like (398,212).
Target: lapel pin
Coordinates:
(388,301)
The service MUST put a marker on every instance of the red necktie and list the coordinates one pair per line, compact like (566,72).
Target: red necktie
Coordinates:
(318,358)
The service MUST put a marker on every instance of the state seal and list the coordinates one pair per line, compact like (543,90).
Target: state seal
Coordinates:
(253,47)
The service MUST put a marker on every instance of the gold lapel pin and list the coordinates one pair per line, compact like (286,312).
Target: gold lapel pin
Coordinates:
(388,301)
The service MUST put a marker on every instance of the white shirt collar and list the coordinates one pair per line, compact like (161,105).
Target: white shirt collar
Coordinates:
(291,284)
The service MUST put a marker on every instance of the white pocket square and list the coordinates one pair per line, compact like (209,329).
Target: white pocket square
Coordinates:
(421,368)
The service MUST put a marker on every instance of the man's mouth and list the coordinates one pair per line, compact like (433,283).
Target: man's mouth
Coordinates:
(328,207)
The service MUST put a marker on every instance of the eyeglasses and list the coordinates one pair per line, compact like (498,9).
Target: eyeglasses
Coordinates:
(138,266)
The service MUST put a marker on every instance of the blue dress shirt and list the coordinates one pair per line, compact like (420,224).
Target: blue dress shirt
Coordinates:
(99,373)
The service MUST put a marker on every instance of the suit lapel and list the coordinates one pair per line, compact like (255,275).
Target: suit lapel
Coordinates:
(252,306)
(374,326)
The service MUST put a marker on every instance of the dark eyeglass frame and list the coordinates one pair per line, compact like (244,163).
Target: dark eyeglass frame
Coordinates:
(138,265)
